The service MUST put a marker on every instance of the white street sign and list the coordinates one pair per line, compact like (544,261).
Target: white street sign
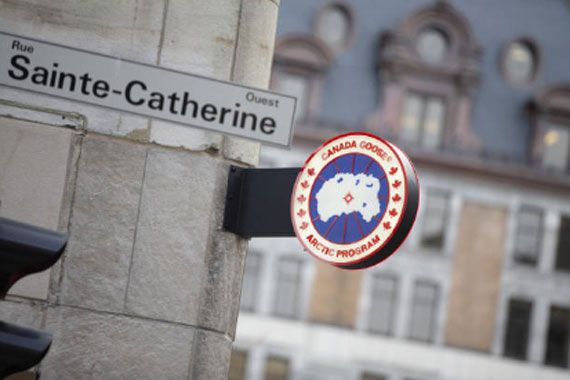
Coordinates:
(146,90)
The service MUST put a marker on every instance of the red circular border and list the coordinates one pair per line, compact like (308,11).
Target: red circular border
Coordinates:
(405,174)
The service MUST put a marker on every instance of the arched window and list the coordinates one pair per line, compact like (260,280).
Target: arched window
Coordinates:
(429,68)
(432,45)
(334,26)
(520,62)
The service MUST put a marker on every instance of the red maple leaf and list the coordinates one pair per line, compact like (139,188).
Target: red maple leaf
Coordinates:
(304,225)
(301,213)
(396,198)
(311,171)
(301,198)
(387,225)
(397,183)
(393,170)
(393,212)
(305,184)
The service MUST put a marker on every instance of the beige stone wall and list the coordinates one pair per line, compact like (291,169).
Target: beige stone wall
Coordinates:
(476,282)
(34,167)
(149,285)
(335,295)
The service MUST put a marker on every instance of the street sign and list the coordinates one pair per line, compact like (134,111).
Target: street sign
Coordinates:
(354,201)
(146,90)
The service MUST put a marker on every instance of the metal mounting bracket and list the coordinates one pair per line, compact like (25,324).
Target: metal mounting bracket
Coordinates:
(258,202)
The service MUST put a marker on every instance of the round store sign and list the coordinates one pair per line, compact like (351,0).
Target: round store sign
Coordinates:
(355,201)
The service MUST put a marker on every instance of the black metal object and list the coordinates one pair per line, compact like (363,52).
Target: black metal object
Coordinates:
(26,249)
(258,202)
(21,348)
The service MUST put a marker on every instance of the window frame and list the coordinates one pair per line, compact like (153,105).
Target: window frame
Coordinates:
(295,314)
(542,126)
(425,97)
(507,332)
(433,330)
(393,301)
(518,256)
(446,218)
(351,24)
(557,250)
(534,49)
(564,309)
(455,78)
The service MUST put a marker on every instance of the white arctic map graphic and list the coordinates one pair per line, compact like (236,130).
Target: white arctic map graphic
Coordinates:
(346,193)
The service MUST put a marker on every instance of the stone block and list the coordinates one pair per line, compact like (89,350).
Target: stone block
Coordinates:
(252,67)
(204,46)
(170,134)
(103,223)
(169,266)
(34,162)
(219,303)
(99,119)
(210,356)
(89,345)
(127,29)
(254,51)
(243,151)
(22,313)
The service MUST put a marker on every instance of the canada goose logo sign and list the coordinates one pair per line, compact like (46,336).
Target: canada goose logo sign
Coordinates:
(355,201)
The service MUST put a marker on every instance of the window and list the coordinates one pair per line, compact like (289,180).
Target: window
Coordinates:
(383,303)
(528,237)
(422,121)
(563,246)
(295,85)
(555,147)
(372,376)
(424,310)
(250,285)
(334,26)
(517,329)
(287,292)
(429,68)
(435,219)
(238,365)
(520,62)
(432,45)
(276,368)
(558,338)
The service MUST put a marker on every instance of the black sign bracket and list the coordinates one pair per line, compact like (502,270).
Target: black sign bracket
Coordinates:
(258,202)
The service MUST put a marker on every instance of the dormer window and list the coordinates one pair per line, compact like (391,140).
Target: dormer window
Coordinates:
(429,68)
(520,62)
(551,144)
(335,26)
(555,147)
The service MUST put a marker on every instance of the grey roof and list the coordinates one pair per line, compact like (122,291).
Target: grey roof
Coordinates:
(351,88)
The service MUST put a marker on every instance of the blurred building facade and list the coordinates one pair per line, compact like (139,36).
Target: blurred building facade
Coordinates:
(478,93)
